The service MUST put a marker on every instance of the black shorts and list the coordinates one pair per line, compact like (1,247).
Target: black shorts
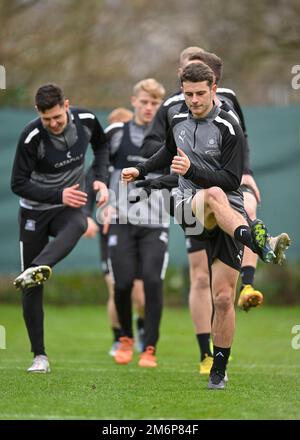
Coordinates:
(194,245)
(248,189)
(132,247)
(217,243)
(36,225)
(221,246)
(104,255)
(103,243)
(65,224)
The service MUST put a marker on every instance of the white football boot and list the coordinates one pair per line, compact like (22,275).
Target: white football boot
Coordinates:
(33,276)
(40,364)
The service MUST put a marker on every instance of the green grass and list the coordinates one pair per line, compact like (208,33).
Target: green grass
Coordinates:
(264,375)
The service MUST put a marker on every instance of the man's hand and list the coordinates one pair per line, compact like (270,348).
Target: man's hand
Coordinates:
(102,189)
(92,229)
(180,163)
(129,174)
(73,197)
(248,180)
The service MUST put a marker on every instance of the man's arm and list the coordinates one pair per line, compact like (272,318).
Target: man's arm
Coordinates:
(230,95)
(24,164)
(168,181)
(247,178)
(101,162)
(101,152)
(238,109)
(161,159)
(91,195)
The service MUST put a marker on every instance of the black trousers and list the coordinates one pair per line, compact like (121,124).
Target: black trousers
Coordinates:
(138,250)
(65,225)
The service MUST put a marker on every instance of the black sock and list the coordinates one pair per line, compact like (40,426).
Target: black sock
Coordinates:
(221,356)
(140,323)
(243,235)
(247,275)
(203,342)
(117,333)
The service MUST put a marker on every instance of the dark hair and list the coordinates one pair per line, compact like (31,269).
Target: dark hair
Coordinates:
(197,72)
(48,96)
(212,60)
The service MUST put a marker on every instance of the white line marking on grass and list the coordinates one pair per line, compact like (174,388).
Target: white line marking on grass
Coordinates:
(161,370)
(250,366)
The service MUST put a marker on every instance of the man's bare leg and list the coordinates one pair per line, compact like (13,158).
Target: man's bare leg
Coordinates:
(200,303)
(213,205)
(200,300)
(224,281)
(112,313)
(217,210)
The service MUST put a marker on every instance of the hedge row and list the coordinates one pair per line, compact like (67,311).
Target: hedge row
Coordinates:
(281,285)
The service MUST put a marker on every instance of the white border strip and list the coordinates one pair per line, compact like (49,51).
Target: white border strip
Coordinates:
(86,116)
(21,256)
(31,135)
(223,121)
(164,266)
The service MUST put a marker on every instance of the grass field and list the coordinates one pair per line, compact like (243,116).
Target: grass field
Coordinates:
(264,375)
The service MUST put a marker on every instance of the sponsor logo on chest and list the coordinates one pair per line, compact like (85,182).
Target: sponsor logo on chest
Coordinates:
(69,160)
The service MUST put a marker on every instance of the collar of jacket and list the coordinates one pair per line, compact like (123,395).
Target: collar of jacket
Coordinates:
(209,117)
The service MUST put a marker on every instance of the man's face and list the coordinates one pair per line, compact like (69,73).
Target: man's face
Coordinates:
(56,118)
(198,97)
(145,106)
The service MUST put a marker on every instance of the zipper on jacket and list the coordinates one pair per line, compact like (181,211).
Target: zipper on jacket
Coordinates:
(194,142)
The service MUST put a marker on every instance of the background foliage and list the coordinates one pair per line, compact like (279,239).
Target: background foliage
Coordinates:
(98,49)
(280,285)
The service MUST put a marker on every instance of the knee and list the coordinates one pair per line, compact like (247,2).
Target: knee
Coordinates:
(153,279)
(122,288)
(199,279)
(223,300)
(122,281)
(82,225)
(153,288)
(214,195)
(79,225)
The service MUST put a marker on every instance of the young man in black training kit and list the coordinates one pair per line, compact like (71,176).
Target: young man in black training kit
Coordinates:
(138,238)
(200,296)
(116,116)
(205,150)
(48,175)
